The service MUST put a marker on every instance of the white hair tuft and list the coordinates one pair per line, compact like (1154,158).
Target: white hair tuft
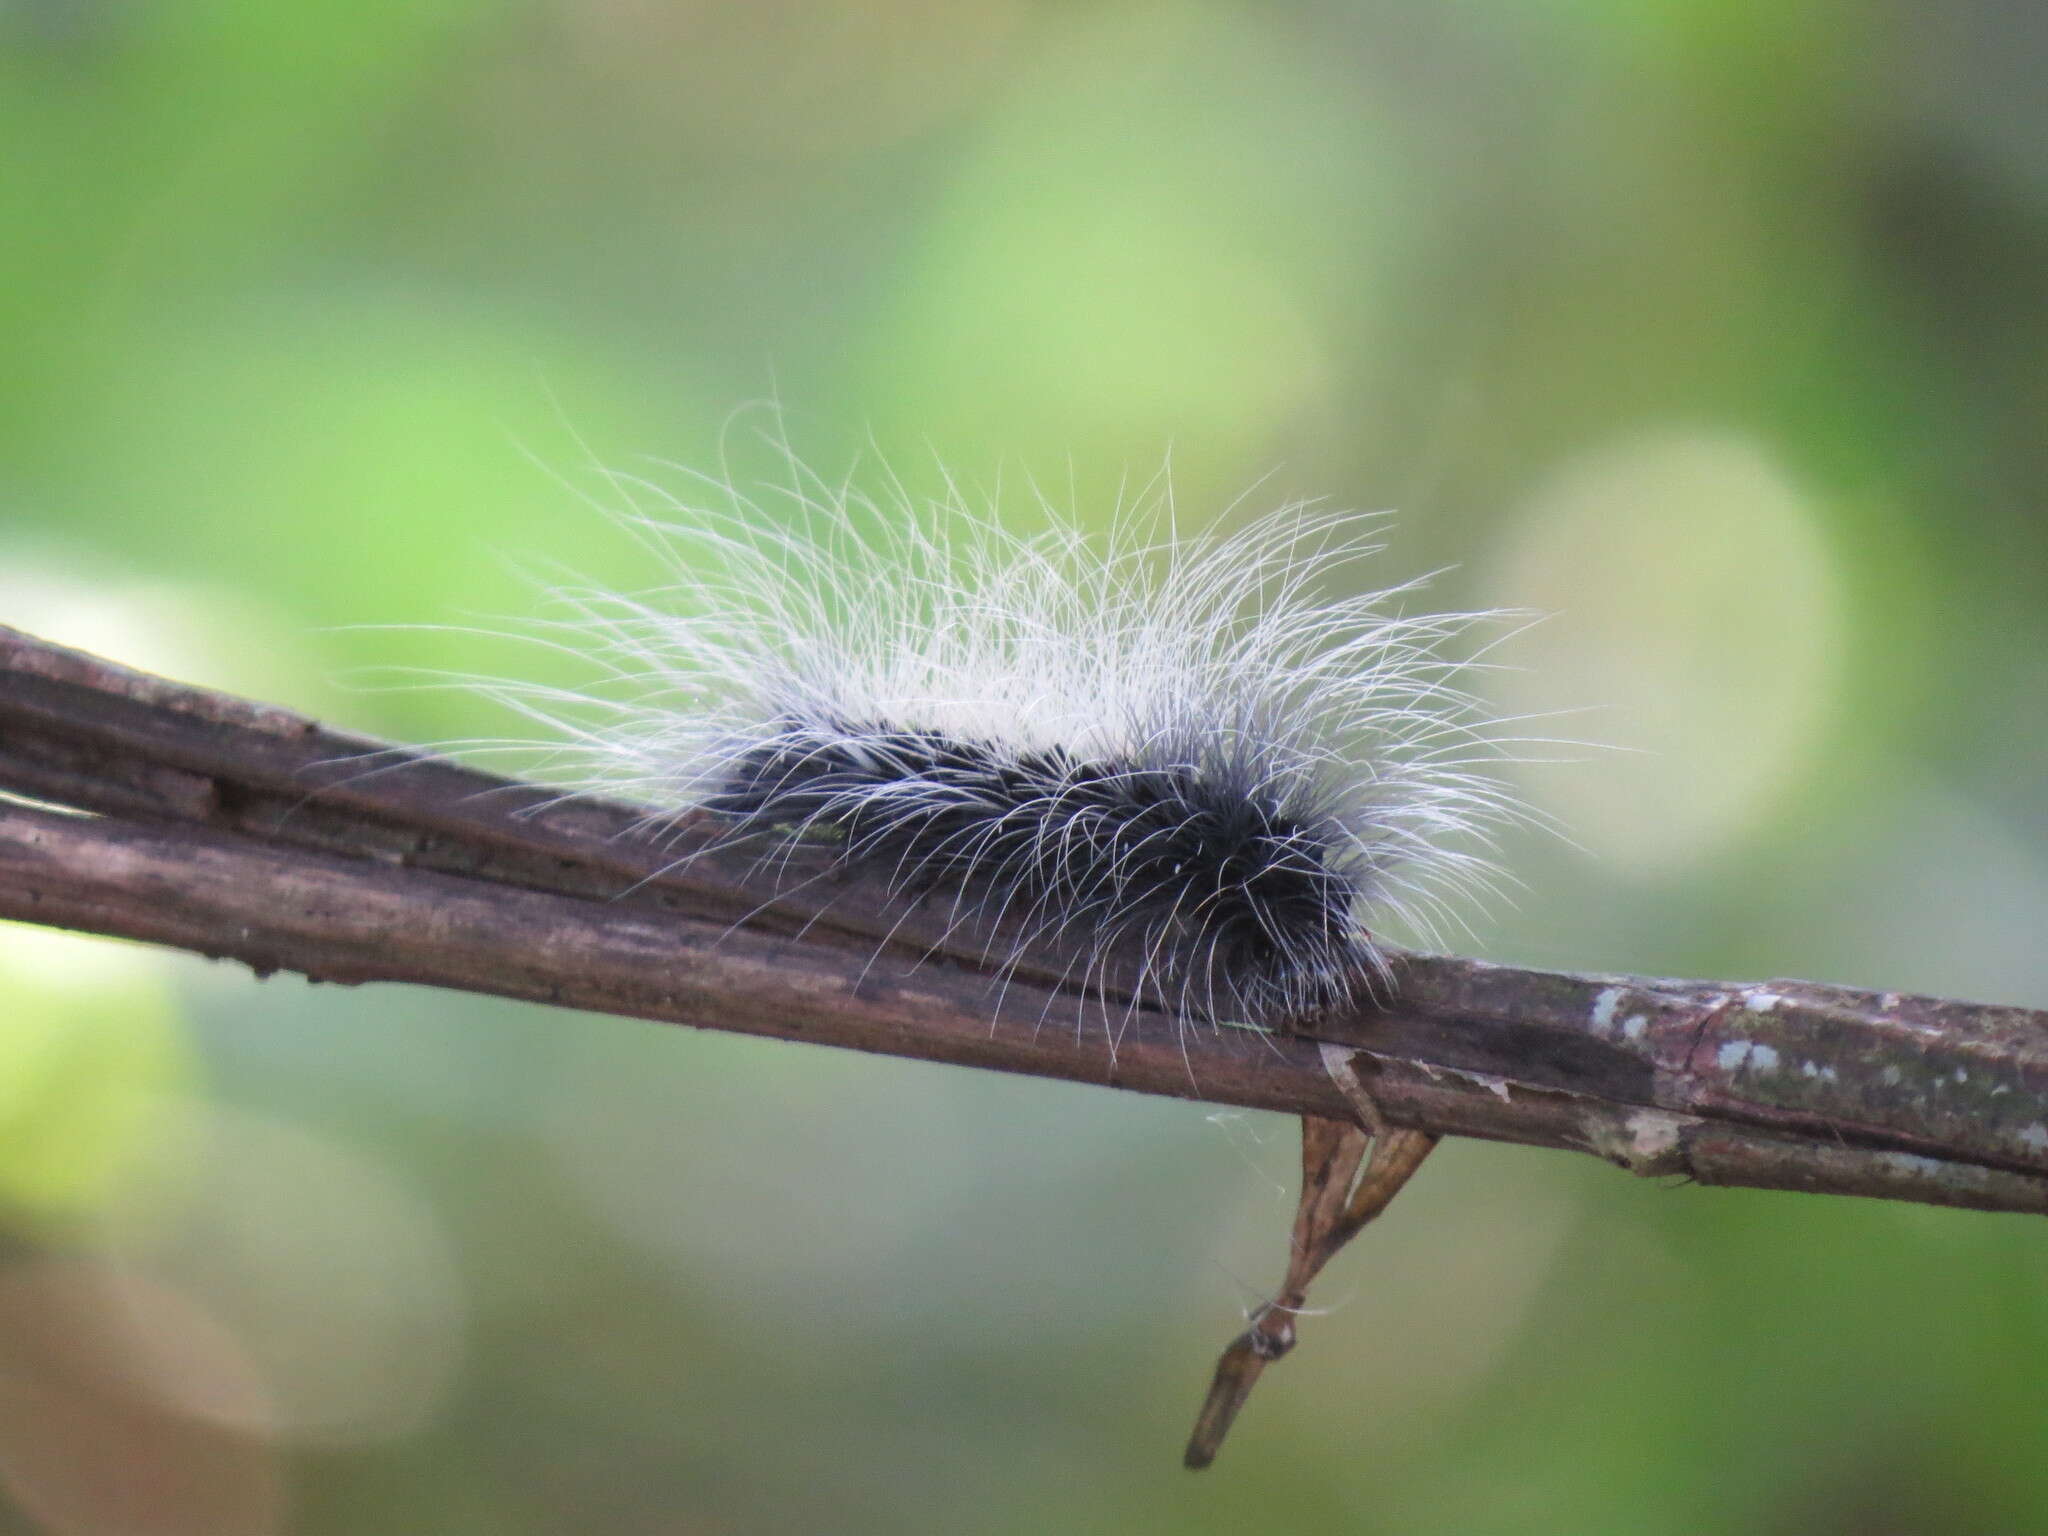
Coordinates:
(1184,750)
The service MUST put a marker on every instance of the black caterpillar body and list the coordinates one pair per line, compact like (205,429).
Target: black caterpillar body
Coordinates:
(1254,914)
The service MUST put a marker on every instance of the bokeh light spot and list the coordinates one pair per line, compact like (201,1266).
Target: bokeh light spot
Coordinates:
(335,1278)
(1692,615)
(86,1450)
(91,1044)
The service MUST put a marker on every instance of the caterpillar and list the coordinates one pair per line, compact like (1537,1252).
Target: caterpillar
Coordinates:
(1204,752)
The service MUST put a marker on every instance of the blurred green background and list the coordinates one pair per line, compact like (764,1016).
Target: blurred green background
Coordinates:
(1715,331)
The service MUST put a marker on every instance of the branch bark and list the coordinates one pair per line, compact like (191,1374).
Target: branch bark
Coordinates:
(237,830)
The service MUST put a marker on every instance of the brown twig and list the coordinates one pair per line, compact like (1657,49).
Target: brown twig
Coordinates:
(246,832)
(1332,1210)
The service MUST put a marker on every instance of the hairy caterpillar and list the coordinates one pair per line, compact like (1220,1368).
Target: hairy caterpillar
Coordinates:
(1200,751)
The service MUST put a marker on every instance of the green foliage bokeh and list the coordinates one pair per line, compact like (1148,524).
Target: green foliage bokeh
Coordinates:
(1711,329)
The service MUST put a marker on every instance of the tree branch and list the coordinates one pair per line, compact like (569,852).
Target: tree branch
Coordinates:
(241,831)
